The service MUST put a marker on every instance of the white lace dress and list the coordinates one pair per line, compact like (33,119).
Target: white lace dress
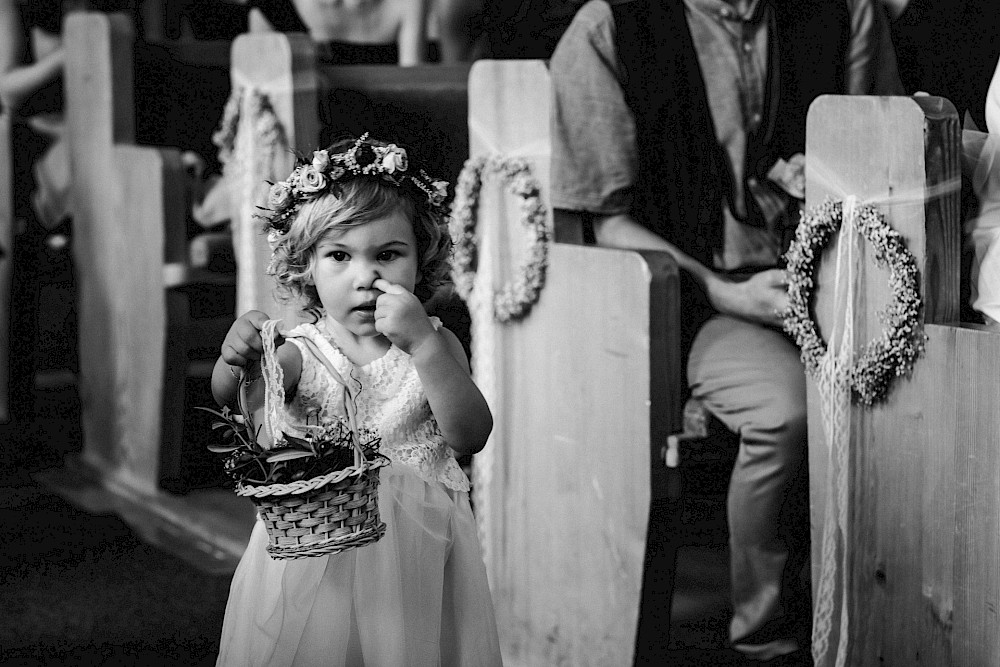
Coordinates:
(418,596)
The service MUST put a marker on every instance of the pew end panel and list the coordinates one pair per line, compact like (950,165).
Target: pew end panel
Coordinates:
(585,389)
(149,199)
(584,400)
(131,256)
(923,569)
(894,152)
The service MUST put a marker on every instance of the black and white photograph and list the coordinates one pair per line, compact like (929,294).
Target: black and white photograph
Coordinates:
(483,333)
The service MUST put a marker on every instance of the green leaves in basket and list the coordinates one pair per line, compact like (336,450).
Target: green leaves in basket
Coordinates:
(309,450)
(288,455)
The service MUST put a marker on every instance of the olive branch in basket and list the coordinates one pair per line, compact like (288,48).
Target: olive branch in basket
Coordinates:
(310,450)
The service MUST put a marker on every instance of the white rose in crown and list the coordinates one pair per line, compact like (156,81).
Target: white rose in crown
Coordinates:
(280,195)
(440,192)
(394,159)
(311,180)
(321,160)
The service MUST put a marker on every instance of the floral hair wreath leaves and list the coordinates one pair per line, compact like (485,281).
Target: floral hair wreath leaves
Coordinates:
(512,300)
(323,172)
(902,339)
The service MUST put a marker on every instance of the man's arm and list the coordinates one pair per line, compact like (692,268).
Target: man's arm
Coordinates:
(761,298)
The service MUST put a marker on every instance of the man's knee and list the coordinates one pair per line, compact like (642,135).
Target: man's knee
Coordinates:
(779,419)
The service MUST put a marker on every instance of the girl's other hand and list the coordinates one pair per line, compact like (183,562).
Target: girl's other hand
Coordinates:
(243,343)
(400,317)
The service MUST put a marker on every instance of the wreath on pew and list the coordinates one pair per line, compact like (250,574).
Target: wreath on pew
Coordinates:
(514,299)
(901,341)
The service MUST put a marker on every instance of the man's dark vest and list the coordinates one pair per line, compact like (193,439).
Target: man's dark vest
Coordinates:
(683,172)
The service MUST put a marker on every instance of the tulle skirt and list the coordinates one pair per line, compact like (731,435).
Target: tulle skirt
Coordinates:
(418,596)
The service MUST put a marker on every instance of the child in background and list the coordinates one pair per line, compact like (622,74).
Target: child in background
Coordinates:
(360,236)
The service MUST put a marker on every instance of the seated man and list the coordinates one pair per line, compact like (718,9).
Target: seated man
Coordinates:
(680,126)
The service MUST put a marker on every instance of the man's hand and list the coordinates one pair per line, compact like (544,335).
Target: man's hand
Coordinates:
(762,298)
(790,176)
(243,344)
(400,317)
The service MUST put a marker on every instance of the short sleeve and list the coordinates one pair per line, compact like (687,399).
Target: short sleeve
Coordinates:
(871,57)
(280,14)
(593,132)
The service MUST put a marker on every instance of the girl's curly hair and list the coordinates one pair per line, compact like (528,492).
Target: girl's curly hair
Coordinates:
(356,202)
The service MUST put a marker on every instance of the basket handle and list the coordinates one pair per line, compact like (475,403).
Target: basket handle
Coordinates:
(274,381)
(359,456)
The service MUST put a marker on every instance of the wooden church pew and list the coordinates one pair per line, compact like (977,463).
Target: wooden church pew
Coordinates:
(923,573)
(134,277)
(585,391)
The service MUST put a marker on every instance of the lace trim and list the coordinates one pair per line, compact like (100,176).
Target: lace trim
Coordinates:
(274,383)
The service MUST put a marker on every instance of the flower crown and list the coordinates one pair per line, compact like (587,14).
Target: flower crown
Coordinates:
(313,178)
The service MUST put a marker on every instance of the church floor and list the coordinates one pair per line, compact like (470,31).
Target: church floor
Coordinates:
(87,587)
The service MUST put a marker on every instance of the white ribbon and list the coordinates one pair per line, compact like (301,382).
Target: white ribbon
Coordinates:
(258,139)
(834,386)
(535,150)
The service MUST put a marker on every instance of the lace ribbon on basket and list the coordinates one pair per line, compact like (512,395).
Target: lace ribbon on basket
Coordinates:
(274,390)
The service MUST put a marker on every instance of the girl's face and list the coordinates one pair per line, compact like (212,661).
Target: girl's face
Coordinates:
(350,259)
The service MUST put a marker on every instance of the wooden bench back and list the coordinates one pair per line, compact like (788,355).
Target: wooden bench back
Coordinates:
(584,391)
(129,216)
(924,494)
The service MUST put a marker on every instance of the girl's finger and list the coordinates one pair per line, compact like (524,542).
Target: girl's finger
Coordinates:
(383,285)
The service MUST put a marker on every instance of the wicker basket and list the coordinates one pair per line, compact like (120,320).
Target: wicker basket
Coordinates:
(320,516)
(326,514)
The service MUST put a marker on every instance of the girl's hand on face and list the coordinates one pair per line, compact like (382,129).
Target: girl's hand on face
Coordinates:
(243,343)
(400,317)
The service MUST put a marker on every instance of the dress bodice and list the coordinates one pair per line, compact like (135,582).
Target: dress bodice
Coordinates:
(390,401)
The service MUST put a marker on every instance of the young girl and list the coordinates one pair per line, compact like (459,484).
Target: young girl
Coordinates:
(359,234)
